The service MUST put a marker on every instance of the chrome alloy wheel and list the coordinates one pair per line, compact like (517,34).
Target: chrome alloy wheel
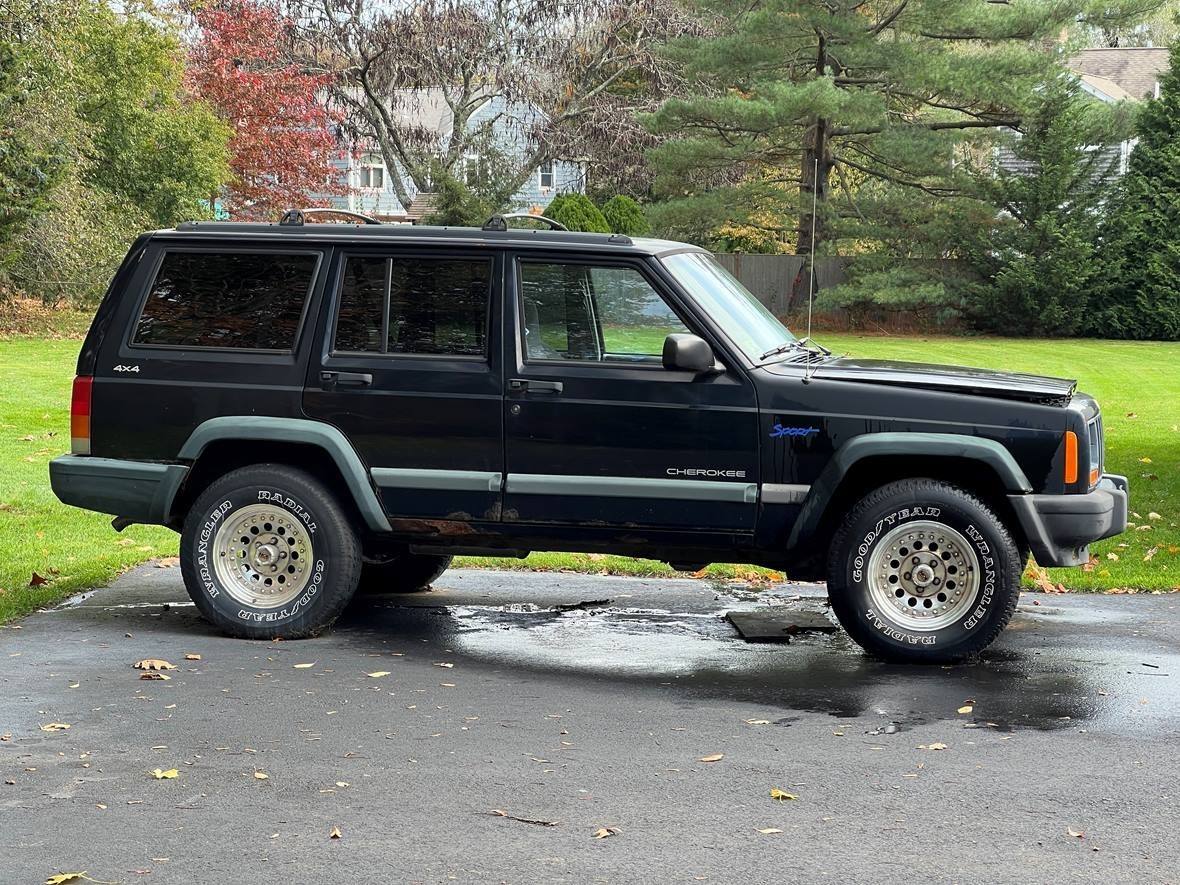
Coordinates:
(923,576)
(263,556)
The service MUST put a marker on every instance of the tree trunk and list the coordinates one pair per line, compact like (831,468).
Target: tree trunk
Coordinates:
(813,192)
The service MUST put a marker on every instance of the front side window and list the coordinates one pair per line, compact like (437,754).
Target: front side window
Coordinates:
(593,313)
(232,299)
(414,306)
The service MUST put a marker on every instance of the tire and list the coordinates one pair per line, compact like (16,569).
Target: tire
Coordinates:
(407,573)
(298,557)
(958,603)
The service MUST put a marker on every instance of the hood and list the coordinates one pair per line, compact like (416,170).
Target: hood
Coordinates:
(956,379)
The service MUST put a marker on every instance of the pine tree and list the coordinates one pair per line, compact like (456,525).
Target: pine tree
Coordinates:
(808,98)
(1140,297)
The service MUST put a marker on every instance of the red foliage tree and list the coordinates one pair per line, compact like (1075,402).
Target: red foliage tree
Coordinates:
(284,135)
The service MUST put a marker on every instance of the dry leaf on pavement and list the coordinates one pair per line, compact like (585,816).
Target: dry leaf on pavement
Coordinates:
(937,745)
(714,757)
(769,830)
(378,674)
(55,726)
(782,795)
(305,666)
(606,832)
(966,708)
(192,657)
(160,774)
(153,664)
(261,775)
(334,833)
(1075,834)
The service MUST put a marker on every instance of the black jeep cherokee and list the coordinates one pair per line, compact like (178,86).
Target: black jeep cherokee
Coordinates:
(322,407)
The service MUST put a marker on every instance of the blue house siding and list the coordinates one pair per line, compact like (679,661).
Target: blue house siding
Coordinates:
(509,123)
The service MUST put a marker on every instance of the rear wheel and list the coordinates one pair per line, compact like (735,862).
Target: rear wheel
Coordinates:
(267,552)
(407,573)
(923,571)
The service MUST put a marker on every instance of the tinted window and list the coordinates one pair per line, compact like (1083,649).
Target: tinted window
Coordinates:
(240,300)
(414,306)
(581,312)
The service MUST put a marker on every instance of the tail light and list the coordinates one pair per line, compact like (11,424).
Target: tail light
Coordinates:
(80,415)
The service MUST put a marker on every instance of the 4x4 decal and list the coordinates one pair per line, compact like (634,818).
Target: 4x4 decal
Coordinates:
(122,368)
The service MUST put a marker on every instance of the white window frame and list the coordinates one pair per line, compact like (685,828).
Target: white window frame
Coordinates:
(370,169)
(551,173)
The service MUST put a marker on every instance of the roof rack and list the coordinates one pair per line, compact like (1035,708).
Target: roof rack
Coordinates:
(296,217)
(500,222)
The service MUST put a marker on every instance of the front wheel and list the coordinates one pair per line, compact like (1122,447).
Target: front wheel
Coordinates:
(921,571)
(267,552)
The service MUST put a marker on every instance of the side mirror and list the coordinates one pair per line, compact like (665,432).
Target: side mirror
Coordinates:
(688,353)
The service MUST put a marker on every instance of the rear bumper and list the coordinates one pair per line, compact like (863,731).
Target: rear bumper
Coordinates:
(1059,528)
(138,491)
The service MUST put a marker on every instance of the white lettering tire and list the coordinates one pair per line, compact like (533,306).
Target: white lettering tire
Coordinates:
(921,571)
(267,552)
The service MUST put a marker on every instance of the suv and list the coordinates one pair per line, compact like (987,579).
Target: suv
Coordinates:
(318,408)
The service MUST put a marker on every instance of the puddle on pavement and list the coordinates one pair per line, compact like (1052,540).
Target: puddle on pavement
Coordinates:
(1033,681)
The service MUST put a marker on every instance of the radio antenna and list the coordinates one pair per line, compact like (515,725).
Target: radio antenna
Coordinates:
(811,283)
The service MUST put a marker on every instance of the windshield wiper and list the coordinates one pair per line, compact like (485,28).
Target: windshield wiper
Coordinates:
(806,345)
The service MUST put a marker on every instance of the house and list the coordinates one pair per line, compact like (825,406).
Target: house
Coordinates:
(367,178)
(1110,75)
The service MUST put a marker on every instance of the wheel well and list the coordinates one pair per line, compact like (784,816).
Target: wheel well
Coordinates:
(224,455)
(871,473)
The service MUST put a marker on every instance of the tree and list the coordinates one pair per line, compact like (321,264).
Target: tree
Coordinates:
(810,98)
(625,216)
(413,79)
(284,137)
(29,170)
(577,212)
(1037,260)
(149,143)
(1140,294)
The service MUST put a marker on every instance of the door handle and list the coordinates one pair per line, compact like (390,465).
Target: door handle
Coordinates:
(346,379)
(522,385)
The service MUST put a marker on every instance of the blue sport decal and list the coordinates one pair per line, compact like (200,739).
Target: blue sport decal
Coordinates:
(778,431)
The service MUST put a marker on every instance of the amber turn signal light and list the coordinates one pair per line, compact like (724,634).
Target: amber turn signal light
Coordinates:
(1071,457)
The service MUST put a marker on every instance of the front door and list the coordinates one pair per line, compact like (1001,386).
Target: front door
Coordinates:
(597,431)
(409,369)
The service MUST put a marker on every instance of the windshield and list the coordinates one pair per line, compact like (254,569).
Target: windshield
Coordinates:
(749,325)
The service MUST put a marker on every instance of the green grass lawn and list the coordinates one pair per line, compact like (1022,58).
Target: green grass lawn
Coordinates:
(1138,385)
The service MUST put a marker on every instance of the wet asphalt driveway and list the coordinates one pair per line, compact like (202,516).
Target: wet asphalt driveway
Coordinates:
(595,717)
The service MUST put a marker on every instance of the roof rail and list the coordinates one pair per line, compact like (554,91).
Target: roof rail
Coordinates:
(500,222)
(296,217)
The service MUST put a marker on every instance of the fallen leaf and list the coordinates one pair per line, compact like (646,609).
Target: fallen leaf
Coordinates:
(1150,554)
(781,795)
(64,878)
(1144,460)
(444,664)
(153,664)
(1113,557)
(606,832)
(164,677)
(37,580)
(769,830)
(334,833)
(343,784)
(378,674)
(713,757)
(54,726)
(935,746)
(966,708)
(168,562)
(305,666)
(261,776)
(1154,515)
(192,657)
(1075,834)
(160,774)
(756,721)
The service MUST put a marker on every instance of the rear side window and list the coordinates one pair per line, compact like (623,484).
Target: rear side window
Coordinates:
(238,300)
(414,306)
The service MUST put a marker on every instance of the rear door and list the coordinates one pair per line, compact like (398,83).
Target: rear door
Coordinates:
(408,367)
(598,432)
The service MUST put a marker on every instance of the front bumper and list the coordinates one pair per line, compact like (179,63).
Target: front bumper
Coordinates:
(138,491)
(1059,528)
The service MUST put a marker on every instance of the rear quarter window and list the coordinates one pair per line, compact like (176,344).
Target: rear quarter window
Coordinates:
(238,300)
